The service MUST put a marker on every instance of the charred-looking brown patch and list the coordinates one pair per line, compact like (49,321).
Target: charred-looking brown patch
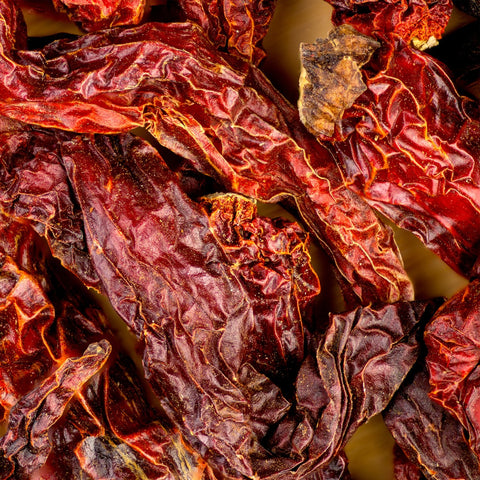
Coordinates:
(331,79)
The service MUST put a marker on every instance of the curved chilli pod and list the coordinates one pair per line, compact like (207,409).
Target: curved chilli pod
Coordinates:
(34,187)
(219,113)
(27,439)
(195,315)
(453,358)
(238,26)
(93,15)
(421,22)
(270,257)
(431,438)
(197,334)
(56,429)
(409,147)
(364,357)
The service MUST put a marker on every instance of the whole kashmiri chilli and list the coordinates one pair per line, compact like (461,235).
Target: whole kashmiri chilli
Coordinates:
(408,143)
(217,297)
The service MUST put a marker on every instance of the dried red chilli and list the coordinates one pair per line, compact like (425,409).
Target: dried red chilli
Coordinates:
(409,147)
(234,126)
(196,313)
(34,187)
(269,254)
(99,14)
(257,264)
(339,388)
(420,22)
(403,468)
(238,26)
(431,438)
(270,258)
(42,407)
(194,350)
(60,400)
(453,356)
(237,234)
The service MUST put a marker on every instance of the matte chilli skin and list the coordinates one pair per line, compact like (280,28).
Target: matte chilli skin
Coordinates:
(453,357)
(63,380)
(196,336)
(408,146)
(219,113)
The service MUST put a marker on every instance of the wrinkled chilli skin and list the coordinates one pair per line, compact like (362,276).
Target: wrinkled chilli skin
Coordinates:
(363,358)
(32,417)
(26,314)
(196,335)
(420,22)
(63,384)
(453,357)
(34,187)
(234,127)
(403,468)
(428,435)
(238,25)
(271,259)
(99,14)
(410,148)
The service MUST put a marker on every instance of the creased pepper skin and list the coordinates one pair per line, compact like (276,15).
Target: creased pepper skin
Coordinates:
(99,14)
(197,335)
(238,26)
(31,419)
(64,381)
(453,357)
(403,467)
(415,21)
(219,113)
(34,187)
(431,438)
(362,360)
(410,147)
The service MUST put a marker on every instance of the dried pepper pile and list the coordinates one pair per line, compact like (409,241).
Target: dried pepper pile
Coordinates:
(133,160)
